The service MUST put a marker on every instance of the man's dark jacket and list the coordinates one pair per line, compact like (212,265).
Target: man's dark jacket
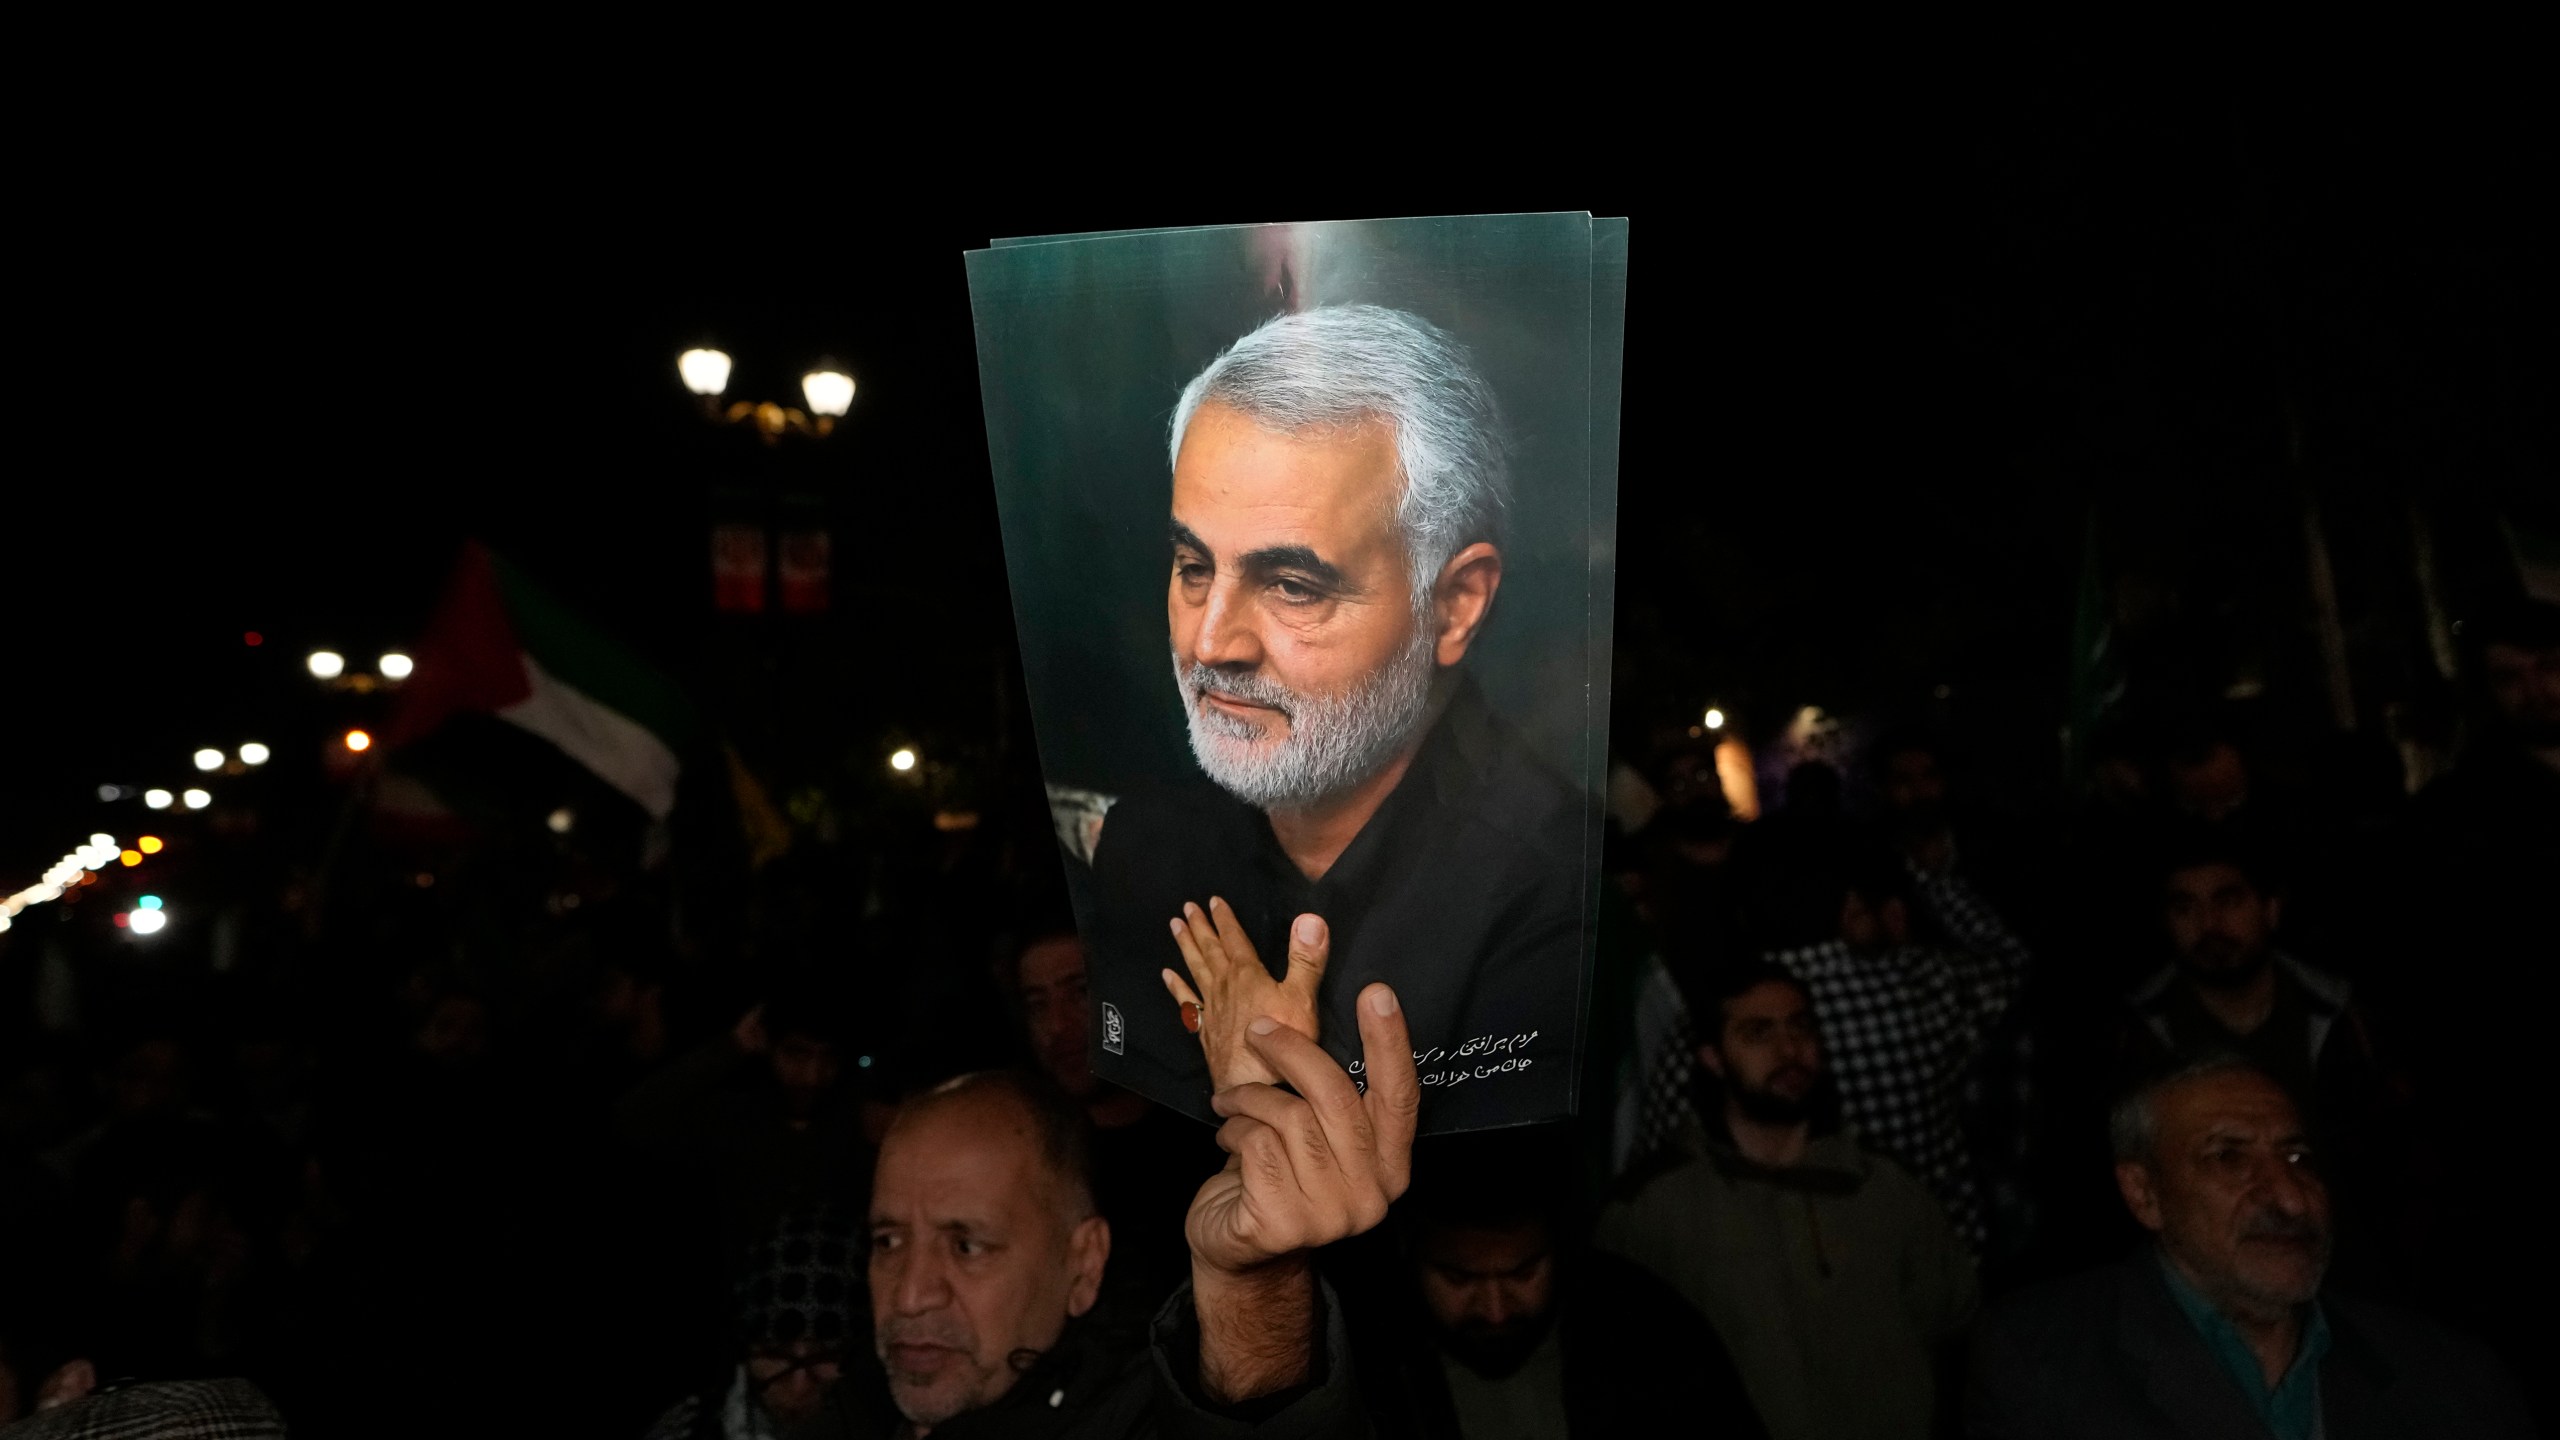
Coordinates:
(1638,1361)
(2109,1356)
(1086,1387)
(1465,891)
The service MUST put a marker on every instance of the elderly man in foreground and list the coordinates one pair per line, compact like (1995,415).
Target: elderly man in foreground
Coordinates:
(986,1253)
(2222,1327)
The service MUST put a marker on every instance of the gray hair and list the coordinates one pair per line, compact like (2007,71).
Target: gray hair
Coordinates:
(2133,1126)
(1339,366)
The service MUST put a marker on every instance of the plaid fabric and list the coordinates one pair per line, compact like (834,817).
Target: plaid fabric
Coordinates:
(1903,1029)
(168,1410)
(1666,1062)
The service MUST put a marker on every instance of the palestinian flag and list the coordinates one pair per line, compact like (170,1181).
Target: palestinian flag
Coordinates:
(502,646)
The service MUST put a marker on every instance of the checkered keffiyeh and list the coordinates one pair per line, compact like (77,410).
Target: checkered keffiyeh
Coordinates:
(1902,1031)
(1657,1109)
(167,1410)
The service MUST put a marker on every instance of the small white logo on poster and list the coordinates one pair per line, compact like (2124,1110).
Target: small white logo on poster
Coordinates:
(1114,1029)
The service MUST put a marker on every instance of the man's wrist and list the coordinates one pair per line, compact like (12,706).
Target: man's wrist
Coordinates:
(1257,1327)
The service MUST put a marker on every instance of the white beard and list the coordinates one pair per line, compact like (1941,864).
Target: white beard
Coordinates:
(1334,742)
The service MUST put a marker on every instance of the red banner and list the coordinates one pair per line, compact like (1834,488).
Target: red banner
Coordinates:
(737,568)
(804,572)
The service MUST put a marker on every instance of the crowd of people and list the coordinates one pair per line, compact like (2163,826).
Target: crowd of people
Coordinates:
(2200,1108)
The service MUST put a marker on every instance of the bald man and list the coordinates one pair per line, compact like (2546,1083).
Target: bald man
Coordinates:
(987,1252)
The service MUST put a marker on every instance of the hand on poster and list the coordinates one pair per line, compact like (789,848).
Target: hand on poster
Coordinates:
(1234,989)
(1258,622)
(1303,1171)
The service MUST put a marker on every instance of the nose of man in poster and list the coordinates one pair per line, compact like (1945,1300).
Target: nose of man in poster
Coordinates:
(1310,532)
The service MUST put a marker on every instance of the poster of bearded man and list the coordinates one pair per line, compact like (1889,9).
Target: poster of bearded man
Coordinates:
(1310,534)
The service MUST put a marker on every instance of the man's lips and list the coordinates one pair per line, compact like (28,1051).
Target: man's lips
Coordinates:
(1234,706)
(922,1359)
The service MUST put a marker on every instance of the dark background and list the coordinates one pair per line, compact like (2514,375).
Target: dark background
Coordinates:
(1904,357)
(1886,351)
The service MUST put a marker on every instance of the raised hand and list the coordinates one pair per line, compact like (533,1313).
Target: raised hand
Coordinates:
(1229,988)
(1303,1171)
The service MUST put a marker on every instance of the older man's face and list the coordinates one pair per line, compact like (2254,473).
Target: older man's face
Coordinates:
(974,1257)
(2231,1191)
(1291,603)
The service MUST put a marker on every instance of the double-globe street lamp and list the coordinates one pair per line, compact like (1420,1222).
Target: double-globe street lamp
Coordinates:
(827,389)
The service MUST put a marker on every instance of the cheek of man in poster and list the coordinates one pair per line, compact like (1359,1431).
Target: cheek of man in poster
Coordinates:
(1365,571)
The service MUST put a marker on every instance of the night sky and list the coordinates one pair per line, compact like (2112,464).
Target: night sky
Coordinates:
(1885,352)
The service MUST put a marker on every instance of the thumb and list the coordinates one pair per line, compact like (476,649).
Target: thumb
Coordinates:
(1310,946)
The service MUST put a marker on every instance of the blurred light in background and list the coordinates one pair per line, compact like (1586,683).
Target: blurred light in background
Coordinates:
(705,372)
(197,799)
(395,666)
(158,799)
(828,391)
(103,840)
(326,664)
(110,792)
(130,858)
(1734,776)
(902,761)
(253,753)
(252,639)
(562,820)
(149,922)
(1715,718)
(148,844)
(146,902)
(208,759)
(358,740)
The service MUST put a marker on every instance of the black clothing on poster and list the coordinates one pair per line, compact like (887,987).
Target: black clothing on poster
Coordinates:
(1465,891)
(1638,1360)
(2109,1356)
(1090,1386)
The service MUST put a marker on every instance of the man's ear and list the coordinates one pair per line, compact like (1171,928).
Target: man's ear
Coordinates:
(1462,598)
(1088,1250)
(1713,1062)
(2134,1183)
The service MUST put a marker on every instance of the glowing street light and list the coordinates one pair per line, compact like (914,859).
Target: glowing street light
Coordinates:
(705,372)
(158,799)
(395,666)
(147,922)
(208,759)
(253,753)
(1715,718)
(561,821)
(148,844)
(358,741)
(130,858)
(902,760)
(829,392)
(326,664)
(197,799)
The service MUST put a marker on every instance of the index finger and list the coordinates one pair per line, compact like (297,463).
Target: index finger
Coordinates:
(1395,1086)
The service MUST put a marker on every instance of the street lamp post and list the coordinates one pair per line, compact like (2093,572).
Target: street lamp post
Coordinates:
(827,389)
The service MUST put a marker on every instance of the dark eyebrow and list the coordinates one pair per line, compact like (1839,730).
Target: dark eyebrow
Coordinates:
(1293,557)
(1181,536)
